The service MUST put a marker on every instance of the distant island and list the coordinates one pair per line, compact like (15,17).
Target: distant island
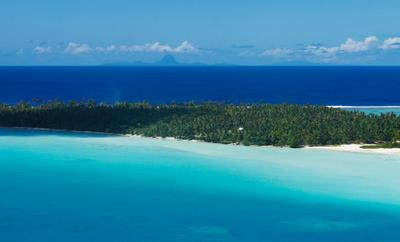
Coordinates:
(167,60)
(253,124)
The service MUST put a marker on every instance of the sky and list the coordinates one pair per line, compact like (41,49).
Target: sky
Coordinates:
(240,32)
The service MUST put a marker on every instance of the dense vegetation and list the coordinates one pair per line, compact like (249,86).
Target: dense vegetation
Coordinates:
(280,125)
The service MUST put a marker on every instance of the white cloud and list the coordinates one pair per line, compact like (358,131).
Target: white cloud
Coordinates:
(352,46)
(278,52)
(184,47)
(156,47)
(42,50)
(74,48)
(109,48)
(318,50)
(344,51)
(391,43)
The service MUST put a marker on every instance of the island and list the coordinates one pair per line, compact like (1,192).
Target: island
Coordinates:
(246,124)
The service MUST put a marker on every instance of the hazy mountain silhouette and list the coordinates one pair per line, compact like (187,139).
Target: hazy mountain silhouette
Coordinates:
(167,60)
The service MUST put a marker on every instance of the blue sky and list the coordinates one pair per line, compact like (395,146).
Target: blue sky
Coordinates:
(252,32)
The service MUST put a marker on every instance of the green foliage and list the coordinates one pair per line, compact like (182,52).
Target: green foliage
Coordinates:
(279,125)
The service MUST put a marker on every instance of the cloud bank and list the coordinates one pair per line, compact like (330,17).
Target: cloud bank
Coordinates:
(76,49)
(319,53)
(42,50)
(391,43)
(184,47)
(156,47)
(368,50)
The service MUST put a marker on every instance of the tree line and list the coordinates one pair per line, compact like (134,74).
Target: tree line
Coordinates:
(247,124)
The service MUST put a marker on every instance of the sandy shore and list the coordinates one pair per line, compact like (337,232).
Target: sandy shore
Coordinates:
(344,148)
(356,148)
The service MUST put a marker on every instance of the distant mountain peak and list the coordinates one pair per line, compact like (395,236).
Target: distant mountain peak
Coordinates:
(168,60)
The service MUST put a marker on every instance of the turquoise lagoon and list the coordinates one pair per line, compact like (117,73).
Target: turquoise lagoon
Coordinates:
(374,109)
(57,186)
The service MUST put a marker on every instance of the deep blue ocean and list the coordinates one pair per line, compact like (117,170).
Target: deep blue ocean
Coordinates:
(363,86)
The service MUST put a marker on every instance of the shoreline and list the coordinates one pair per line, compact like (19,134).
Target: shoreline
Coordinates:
(354,148)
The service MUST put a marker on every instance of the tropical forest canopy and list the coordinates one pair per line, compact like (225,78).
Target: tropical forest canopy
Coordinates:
(258,124)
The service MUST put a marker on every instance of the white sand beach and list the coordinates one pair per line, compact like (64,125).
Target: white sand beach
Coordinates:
(356,148)
(344,148)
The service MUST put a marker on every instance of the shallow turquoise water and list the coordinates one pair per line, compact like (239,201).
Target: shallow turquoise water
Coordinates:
(75,187)
(377,110)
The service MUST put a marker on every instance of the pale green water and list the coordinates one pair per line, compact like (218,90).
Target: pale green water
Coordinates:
(73,187)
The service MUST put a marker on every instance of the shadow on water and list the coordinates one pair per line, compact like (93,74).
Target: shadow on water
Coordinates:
(30,132)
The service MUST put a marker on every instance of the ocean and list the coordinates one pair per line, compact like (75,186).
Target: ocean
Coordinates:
(58,186)
(64,186)
(359,86)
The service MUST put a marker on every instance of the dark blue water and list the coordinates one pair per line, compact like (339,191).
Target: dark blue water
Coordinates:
(314,85)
